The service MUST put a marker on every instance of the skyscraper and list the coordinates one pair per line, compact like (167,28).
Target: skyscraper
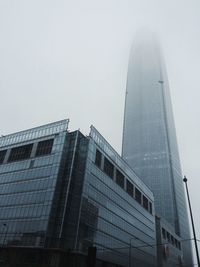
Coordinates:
(149,137)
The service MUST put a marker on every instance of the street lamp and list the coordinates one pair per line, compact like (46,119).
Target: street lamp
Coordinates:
(195,240)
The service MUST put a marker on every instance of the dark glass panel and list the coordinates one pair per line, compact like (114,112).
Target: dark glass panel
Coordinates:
(163,233)
(108,168)
(98,158)
(168,237)
(2,155)
(20,153)
(44,147)
(120,178)
(145,202)
(129,188)
(138,195)
(150,207)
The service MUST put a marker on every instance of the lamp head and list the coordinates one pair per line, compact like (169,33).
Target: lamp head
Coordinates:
(185,179)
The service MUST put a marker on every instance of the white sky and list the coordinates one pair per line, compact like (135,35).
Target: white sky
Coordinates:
(68,59)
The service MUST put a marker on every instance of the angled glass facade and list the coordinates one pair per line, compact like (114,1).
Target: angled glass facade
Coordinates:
(149,138)
(29,169)
(120,226)
(60,189)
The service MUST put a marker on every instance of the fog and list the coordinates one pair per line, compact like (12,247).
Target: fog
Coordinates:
(69,59)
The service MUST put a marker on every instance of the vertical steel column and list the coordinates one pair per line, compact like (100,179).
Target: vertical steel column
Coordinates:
(68,186)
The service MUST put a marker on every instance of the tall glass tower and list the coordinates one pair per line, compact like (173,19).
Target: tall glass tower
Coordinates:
(149,136)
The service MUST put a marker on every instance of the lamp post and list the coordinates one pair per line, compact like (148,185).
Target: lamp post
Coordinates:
(195,239)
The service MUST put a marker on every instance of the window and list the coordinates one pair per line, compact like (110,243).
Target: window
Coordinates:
(150,207)
(120,178)
(145,202)
(98,158)
(44,147)
(129,188)
(138,195)
(108,168)
(2,155)
(163,233)
(20,153)
(168,237)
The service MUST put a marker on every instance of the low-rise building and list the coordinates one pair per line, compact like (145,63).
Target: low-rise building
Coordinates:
(169,247)
(61,189)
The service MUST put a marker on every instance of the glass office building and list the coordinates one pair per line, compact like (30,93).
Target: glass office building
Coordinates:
(149,138)
(61,189)
(124,228)
(29,171)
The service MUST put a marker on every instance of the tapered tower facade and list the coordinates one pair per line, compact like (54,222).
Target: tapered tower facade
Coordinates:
(149,136)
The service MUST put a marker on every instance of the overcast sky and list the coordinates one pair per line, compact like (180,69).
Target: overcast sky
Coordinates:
(68,59)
